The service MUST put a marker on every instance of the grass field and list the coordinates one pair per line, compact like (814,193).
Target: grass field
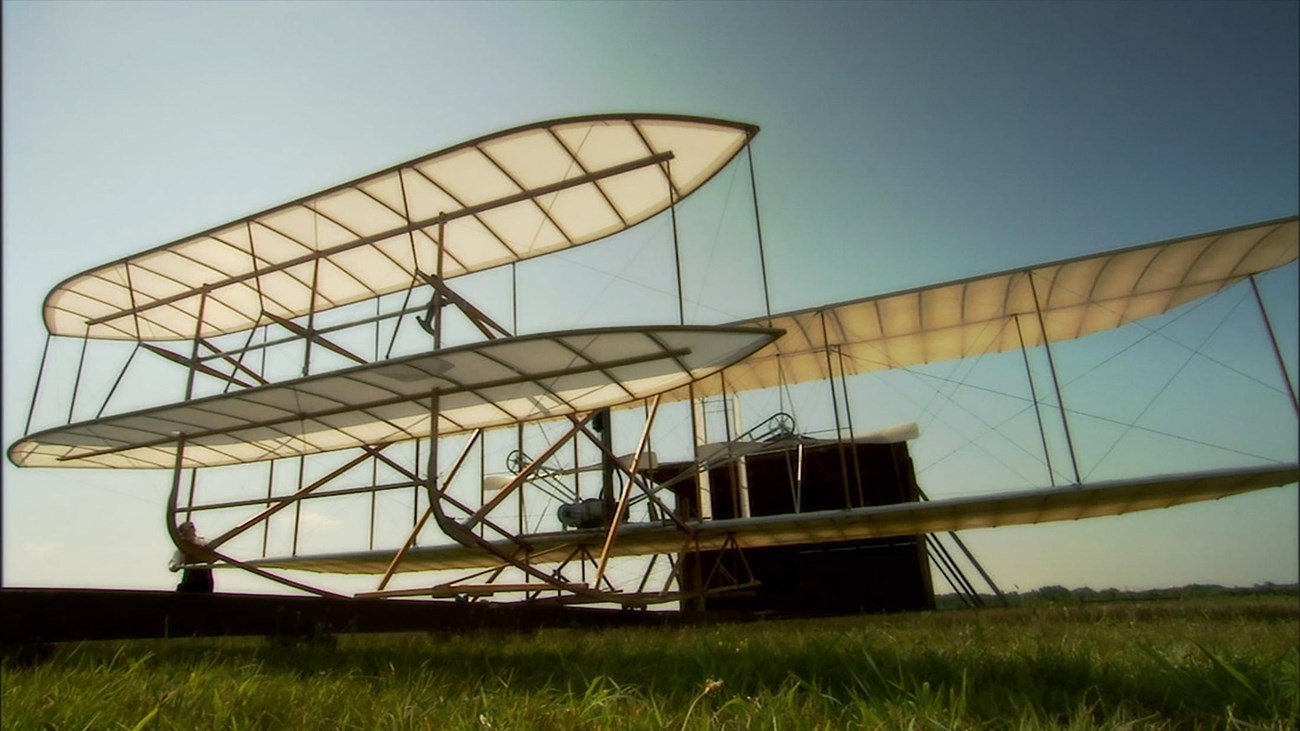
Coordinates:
(1227,663)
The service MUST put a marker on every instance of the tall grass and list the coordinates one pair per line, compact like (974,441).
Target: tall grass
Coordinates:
(1225,664)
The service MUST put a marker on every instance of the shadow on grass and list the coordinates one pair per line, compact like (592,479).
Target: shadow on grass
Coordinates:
(1045,662)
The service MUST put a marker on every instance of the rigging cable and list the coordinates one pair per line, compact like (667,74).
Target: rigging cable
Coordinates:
(36,389)
(758,230)
(990,428)
(118,381)
(1168,382)
(713,243)
(1159,332)
(962,384)
(1078,412)
(974,361)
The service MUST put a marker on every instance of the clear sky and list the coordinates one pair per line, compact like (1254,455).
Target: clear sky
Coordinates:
(902,144)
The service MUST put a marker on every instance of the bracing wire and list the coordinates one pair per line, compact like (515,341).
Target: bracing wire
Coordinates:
(618,276)
(1191,355)
(950,400)
(961,382)
(1078,412)
(118,381)
(651,236)
(1158,332)
(713,244)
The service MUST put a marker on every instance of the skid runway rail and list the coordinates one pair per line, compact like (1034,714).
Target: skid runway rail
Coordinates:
(38,616)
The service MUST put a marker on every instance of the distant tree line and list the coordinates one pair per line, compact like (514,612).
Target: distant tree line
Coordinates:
(1059,595)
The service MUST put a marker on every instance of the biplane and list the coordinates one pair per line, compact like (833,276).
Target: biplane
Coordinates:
(530,464)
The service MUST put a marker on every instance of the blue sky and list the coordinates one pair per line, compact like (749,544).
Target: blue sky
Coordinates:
(902,144)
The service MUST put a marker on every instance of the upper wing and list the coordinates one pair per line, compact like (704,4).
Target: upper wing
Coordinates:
(491,201)
(993,313)
(985,511)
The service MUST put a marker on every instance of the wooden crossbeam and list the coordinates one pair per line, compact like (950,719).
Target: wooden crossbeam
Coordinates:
(315,337)
(194,364)
(234,362)
(475,315)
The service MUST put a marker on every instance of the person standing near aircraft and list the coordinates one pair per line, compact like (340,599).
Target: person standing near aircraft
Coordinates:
(193,548)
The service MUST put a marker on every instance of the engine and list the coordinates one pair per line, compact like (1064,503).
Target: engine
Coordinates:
(589,513)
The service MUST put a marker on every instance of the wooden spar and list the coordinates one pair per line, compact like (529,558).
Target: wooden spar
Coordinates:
(1033,393)
(1277,351)
(415,531)
(311,315)
(194,354)
(1056,382)
(76,382)
(36,389)
(758,228)
(617,518)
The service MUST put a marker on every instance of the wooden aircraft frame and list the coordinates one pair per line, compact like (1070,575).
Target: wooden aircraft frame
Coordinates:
(524,193)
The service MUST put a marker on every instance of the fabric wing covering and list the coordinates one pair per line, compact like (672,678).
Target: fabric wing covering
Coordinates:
(482,385)
(985,511)
(990,314)
(501,199)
